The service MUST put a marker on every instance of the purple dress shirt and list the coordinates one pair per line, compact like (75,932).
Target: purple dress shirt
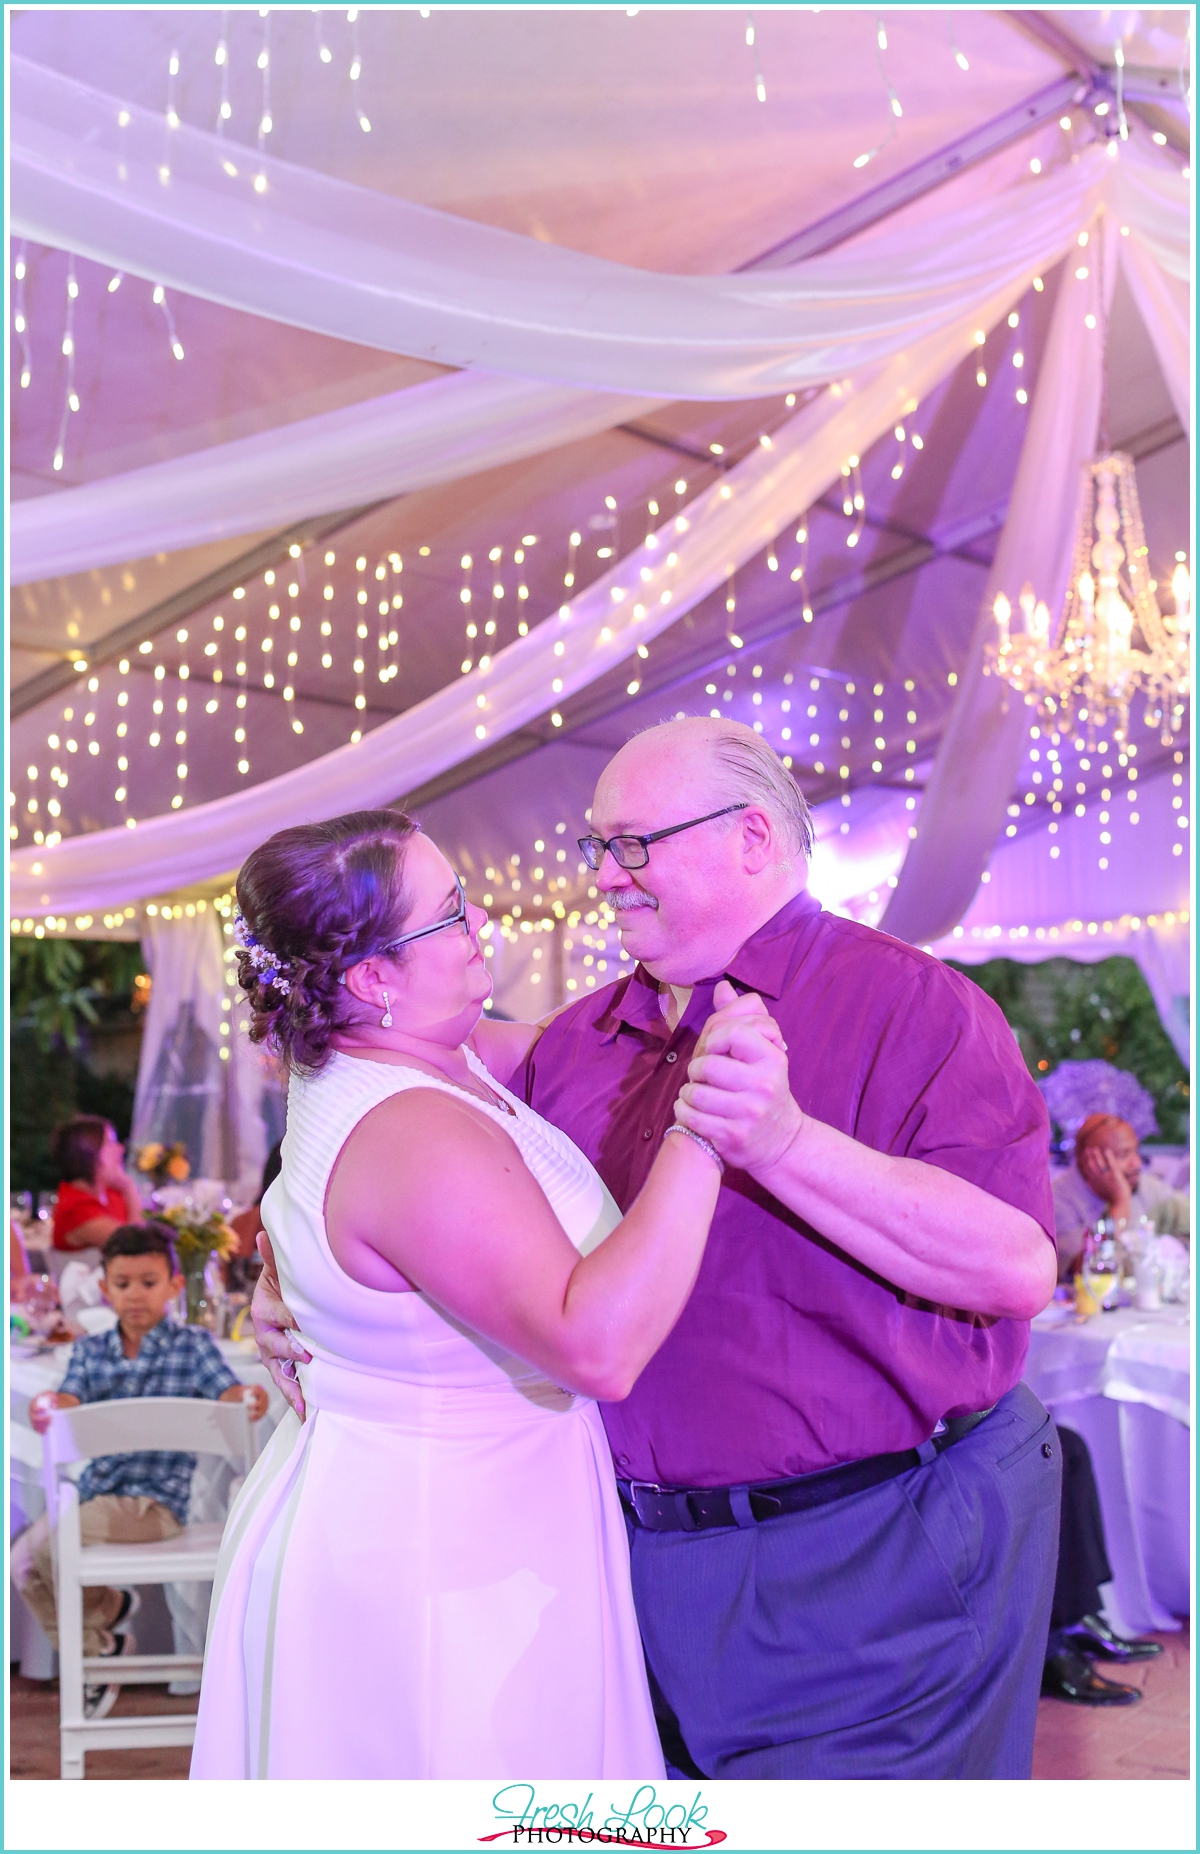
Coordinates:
(790,1356)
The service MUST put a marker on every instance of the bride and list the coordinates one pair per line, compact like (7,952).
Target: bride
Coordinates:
(429,1577)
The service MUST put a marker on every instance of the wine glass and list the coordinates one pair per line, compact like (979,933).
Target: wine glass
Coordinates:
(39,1302)
(1103,1265)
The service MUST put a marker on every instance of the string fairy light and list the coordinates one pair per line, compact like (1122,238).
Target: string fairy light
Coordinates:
(959,58)
(1119,61)
(356,69)
(472,629)
(221,59)
(895,111)
(323,51)
(172,113)
(70,396)
(160,300)
(760,89)
(20,313)
(265,123)
(854,502)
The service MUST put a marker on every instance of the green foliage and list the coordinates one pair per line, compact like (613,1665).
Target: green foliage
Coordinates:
(55,989)
(1063,1011)
(53,984)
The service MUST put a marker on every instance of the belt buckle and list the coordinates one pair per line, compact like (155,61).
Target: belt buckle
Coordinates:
(637,1487)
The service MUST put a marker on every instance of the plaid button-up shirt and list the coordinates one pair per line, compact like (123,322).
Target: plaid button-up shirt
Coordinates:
(172,1361)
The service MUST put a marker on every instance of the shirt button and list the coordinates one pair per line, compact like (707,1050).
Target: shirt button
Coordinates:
(622,1461)
(673,1056)
(649,1133)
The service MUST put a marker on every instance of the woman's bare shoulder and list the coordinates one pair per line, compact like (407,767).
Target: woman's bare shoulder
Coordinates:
(423,1138)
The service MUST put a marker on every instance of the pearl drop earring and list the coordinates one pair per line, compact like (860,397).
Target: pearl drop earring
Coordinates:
(386,1019)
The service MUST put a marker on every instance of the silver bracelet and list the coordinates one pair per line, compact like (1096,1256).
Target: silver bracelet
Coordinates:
(706,1144)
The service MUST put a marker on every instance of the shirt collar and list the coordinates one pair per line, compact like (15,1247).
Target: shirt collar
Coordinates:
(764,962)
(154,1341)
(761,964)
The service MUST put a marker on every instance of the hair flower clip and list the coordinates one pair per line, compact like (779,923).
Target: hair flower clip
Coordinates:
(267,964)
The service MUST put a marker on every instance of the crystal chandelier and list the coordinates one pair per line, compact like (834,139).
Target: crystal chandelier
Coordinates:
(1113,643)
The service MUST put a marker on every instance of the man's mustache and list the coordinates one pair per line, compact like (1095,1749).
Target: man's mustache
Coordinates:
(622,900)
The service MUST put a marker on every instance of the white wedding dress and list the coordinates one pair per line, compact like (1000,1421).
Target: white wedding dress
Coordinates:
(430,1576)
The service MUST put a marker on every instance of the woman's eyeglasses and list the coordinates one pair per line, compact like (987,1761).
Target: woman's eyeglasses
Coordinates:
(419,933)
(451,920)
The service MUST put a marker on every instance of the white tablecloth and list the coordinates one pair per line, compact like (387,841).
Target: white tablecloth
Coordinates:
(32,1372)
(1123,1382)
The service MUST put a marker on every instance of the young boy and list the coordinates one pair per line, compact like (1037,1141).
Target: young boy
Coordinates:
(137,1497)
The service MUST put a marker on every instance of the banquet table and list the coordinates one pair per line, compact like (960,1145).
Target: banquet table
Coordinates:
(1122,1381)
(33,1369)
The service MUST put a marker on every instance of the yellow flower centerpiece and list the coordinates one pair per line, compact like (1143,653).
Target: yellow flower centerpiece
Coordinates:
(198,1235)
(163,1165)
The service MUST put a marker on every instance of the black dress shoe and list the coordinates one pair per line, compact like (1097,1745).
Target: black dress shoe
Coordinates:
(1093,1637)
(1069,1676)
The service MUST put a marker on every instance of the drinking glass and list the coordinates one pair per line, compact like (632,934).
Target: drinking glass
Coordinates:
(39,1303)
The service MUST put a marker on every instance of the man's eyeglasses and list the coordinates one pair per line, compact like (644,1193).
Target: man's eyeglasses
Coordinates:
(451,920)
(634,852)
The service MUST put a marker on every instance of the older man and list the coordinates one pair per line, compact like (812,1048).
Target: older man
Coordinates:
(843,1506)
(1107,1179)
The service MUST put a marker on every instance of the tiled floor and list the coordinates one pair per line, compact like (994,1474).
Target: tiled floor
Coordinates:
(1146,1740)
(1073,1742)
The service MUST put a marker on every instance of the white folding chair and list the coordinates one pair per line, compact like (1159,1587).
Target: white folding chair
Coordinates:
(192,1424)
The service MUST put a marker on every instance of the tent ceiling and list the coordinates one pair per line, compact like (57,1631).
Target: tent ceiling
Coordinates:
(638,139)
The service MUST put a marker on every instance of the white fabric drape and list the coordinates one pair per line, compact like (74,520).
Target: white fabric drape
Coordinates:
(1155,199)
(1165,307)
(409,440)
(180,1085)
(179,206)
(643,594)
(962,813)
(432,433)
(199,1078)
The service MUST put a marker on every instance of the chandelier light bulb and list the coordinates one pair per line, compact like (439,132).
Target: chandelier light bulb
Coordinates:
(1181,588)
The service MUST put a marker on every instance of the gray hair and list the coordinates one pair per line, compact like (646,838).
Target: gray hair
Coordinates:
(753,773)
(750,772)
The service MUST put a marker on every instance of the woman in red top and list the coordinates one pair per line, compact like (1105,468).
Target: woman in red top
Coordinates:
(95,1196)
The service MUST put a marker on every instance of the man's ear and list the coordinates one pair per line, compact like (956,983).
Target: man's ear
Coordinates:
(759,849)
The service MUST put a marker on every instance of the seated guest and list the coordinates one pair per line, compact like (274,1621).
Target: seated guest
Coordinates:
(127,1499)
(1078,1633)
(95,1194)
(1107,1179)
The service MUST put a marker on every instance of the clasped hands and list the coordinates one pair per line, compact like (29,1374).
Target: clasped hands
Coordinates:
(737,1093)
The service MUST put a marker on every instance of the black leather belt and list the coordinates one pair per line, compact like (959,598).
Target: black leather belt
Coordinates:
(694,1509)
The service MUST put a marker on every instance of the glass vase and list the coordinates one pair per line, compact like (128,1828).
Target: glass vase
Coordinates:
(199,1304)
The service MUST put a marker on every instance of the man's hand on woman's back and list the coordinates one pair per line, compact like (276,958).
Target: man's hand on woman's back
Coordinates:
(275,1330)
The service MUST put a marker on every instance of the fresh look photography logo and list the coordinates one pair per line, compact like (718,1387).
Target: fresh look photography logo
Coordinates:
(643,1822)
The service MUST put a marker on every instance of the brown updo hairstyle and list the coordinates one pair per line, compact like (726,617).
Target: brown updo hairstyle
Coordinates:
(320,897)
